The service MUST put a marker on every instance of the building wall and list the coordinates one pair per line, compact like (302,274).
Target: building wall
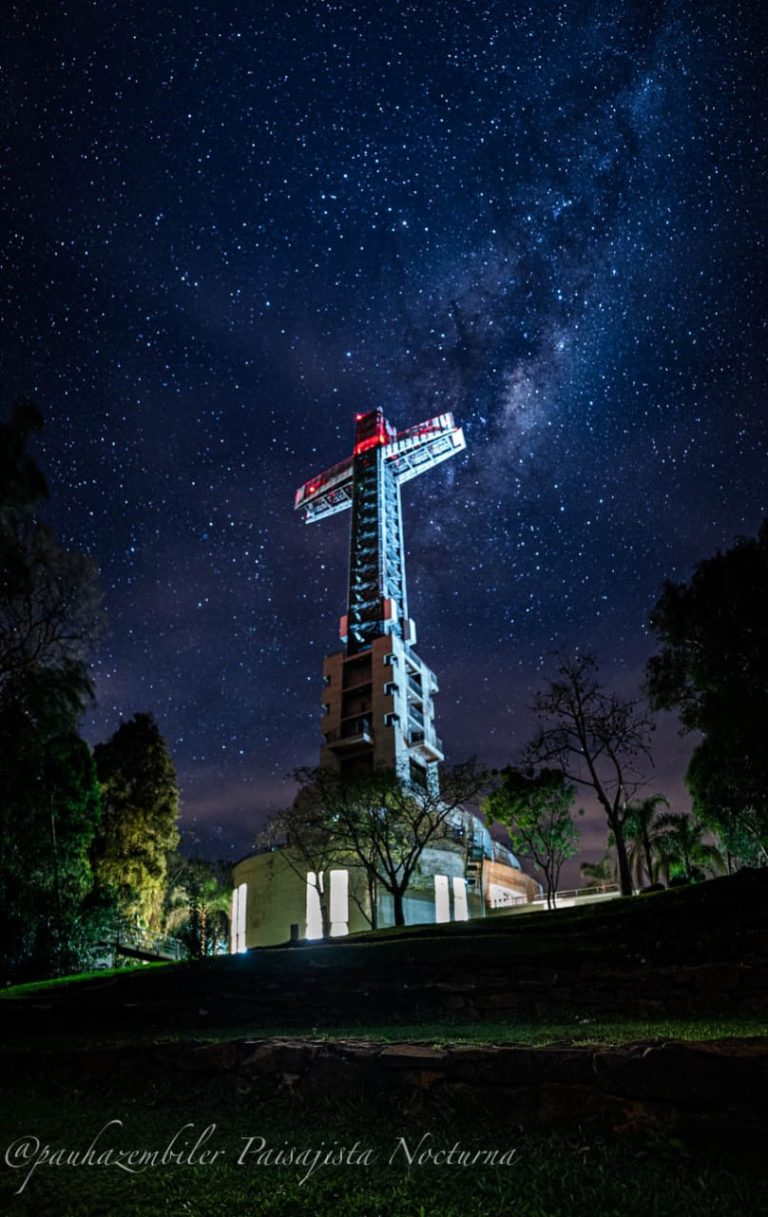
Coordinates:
(277,899)
(277,895)
(387,690)
(505,884)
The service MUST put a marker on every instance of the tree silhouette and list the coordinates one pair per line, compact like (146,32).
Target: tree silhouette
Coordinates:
(382,823)
(49,804)
(713,669)
(640,828)
(598,740)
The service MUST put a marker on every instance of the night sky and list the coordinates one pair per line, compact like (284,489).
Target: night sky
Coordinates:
(227,228)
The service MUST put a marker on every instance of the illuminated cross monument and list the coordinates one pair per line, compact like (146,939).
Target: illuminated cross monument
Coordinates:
(377,692)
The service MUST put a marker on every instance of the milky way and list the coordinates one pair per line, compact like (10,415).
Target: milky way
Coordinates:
(228,230)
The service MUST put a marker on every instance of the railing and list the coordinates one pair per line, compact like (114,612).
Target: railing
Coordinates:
(139,944)
(415,688)
(426,737)
(359,726)
(358,729)
(579,893)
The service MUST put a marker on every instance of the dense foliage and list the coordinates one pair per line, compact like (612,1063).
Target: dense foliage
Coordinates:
(198,897)
(73,853)
(713,669)
(49,804)
(536,810)
(140,809)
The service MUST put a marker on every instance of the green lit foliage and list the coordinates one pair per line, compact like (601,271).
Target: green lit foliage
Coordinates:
(665,846)
(197,904)
(713,669)
(535,808)
(49,811)
(140,809)
(641,820)
(49,804)
(725,778)
(682,850)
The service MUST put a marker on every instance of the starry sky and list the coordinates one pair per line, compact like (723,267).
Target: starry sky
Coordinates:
(227,228)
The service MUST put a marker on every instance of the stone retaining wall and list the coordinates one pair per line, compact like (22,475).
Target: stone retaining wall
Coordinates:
(711,1092)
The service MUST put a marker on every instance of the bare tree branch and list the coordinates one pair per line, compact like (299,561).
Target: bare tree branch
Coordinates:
(597,739)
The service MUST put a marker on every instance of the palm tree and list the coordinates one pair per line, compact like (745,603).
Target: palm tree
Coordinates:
(640,824)
(196,905)
(682,850)
(601,873)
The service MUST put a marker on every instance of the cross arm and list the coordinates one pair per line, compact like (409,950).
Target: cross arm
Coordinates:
(417,449)
(408,453)
(327,493)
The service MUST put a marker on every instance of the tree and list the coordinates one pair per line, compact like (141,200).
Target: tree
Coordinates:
(140,808)
(722,778)
(536,810)
(384,823)
(309,836)
(49,812)
(601,873)
(682,851)
(597,739)
(50,604)
(713,669)
(49,805)
(197,904)
(21,481)
(640,824)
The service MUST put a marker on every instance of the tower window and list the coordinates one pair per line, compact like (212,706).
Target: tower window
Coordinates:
(418,774)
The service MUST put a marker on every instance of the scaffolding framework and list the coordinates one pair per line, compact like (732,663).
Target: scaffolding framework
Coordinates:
(377,692)
(369,483)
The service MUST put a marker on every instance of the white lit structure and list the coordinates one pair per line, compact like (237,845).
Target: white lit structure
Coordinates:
(378,711)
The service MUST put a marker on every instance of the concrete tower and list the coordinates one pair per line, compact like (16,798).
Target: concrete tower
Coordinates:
(377,694)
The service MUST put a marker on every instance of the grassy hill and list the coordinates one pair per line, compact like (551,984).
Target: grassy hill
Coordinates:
(692,951)
(690,963)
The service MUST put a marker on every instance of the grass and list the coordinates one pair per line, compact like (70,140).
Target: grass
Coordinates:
(645,910)
(578,1032)
(575,1031)
(392,984)
(36,988)
(551,1174)
(575,1173)
(705,915)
